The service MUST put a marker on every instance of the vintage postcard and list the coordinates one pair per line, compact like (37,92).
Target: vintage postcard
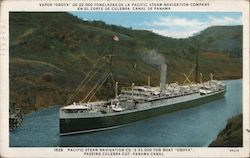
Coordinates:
(110,78)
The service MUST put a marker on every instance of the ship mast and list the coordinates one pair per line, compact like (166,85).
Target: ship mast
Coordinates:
(197,61)
(148,81)
(111,82)
(197,43)
(111,56)
(106,78)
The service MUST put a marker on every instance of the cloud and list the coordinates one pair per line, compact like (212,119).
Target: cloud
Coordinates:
(170,21)
(175,34)
(178,27)
(224,21)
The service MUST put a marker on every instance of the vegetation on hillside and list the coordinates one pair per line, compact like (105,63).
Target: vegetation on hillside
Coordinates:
(50,53)
(231,135)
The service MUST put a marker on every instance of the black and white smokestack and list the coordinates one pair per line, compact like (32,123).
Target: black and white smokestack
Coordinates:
(163,77)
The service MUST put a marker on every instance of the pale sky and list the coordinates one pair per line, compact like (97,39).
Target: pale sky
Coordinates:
(170,24)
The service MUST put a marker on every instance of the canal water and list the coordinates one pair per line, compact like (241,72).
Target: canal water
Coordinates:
(195,127)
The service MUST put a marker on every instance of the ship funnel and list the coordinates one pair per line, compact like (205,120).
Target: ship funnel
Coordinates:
(163,77)
(211,76)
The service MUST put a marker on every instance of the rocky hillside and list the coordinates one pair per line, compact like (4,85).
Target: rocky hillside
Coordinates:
(50,53)
(231,135)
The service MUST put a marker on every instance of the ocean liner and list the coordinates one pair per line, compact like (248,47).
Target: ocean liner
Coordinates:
(139,103)
(136,103)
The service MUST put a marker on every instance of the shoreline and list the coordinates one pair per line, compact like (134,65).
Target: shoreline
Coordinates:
(231,135)
(50,106)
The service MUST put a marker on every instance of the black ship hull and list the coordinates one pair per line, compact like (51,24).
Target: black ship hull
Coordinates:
(91,124)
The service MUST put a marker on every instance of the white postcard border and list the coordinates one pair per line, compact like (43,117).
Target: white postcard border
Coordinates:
(32,5)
